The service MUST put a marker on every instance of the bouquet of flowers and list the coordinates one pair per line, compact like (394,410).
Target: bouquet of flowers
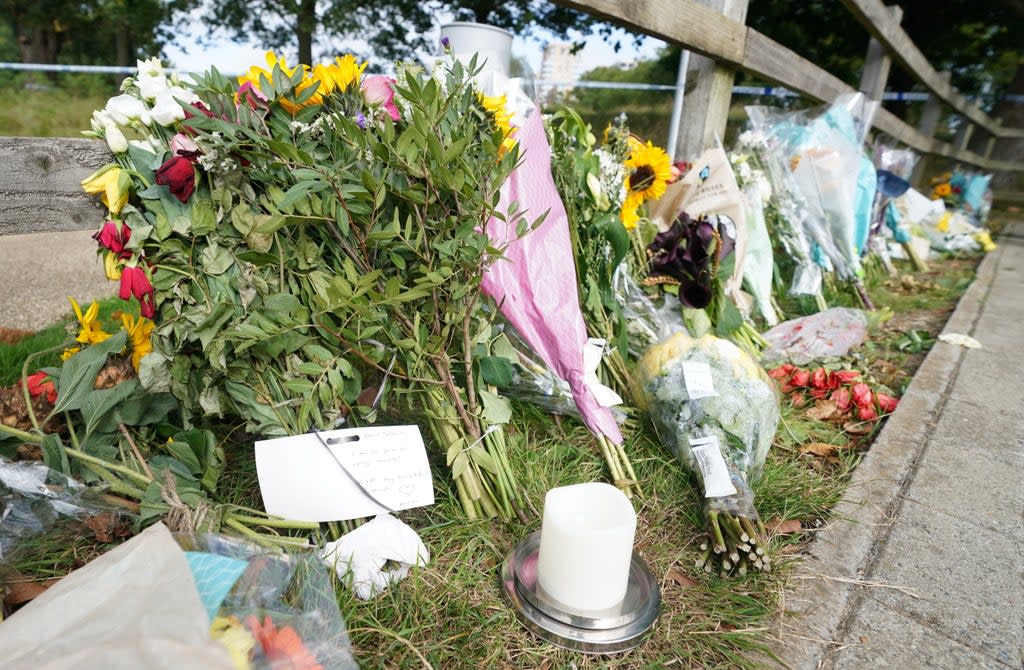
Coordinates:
(301,235)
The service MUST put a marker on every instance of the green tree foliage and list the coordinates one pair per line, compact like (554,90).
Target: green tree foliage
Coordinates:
(81,31)
(976,40)
(395,29)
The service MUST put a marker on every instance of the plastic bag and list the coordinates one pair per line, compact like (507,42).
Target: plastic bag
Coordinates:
(276,596)
(823,151)
(717,411)
(832,332)
(787,212)
(759,264)
(33,497)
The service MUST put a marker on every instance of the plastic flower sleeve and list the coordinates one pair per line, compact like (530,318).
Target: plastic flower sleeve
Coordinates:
(707,397)
(281,609)
(759,265)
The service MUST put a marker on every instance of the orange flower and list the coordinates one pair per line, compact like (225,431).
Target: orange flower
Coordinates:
(282,646)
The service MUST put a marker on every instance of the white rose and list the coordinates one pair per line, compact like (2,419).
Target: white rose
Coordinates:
(151,79)
(123,109)
(100,119)
(115,139)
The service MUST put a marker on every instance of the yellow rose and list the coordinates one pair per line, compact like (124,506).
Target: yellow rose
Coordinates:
(113,184)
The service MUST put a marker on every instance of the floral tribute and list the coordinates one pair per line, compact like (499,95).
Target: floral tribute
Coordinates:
(841,394)
(302,236)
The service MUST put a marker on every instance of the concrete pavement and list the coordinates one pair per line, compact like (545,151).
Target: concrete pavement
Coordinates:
(923,566)
(38,272)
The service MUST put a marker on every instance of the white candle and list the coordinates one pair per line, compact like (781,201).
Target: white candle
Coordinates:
(586,545)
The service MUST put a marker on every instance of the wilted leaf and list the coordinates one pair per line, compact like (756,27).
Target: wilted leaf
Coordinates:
(22,589)
(107,526)
(824,409)
(780,527)
(858,427)
(819,449)
(679,578)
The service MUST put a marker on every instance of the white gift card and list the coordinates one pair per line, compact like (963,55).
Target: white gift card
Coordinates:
(697,377)
(301,480)
(717,482)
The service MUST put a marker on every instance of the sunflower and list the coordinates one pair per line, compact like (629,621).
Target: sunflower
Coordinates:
(630,214)
(495,104)
(648,170)
(337,76)
(91,332)
(139,333)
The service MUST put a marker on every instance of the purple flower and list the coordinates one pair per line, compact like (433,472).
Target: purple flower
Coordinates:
(688,252)
(445,42)
(361,121)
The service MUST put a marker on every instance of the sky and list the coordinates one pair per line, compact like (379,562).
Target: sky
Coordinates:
(233,58)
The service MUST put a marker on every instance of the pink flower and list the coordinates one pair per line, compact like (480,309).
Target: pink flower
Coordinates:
(846,376)
(843,399)
(252,96)
(861,395)
(114,237)
(182,145)
(134,282)
(801,378)
(379,90)
(886,403)
(819,378)
(782,371)
(867,413)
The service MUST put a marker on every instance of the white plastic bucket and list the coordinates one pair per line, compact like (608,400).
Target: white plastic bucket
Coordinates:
(494,44)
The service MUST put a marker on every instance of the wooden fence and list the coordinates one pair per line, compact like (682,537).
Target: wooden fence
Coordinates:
(39,178)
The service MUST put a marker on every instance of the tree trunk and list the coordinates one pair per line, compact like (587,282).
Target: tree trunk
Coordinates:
(123,46)
(38,45)
(305,26)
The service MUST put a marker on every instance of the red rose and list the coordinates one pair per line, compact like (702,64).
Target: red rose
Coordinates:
(820,394)
(801,377)
(177,174)
(842,399)
(846,376)
(134,282)
(38,384)
(819,378)
(886,403)
(861,395)
(782,371)
(798,398)
(114,237)
(867,413)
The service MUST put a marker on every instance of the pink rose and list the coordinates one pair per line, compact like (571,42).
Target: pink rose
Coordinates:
(379,90)
(183,145)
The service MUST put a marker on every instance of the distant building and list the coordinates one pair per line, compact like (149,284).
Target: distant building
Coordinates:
(559,65)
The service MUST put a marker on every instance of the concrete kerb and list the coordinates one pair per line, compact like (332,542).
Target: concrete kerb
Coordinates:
(824,589)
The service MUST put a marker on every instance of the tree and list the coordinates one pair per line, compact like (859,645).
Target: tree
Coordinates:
(91,31)
(394,29)
(974,39)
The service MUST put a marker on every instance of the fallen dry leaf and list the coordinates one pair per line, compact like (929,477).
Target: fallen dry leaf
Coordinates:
(858,427)
(24,590)
(786,527)
(107,526)
(822,410)
(819,449)
(679,578)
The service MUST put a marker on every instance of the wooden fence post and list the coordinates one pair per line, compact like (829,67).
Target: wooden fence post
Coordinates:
(877,62)
(991,144)
(706,109)
(926,126)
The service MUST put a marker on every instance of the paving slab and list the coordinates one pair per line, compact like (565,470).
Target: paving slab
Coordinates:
(960,579)
(39,271)
(885,638)
(937,507)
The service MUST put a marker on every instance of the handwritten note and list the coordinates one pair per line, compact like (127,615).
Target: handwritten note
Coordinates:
(301,479)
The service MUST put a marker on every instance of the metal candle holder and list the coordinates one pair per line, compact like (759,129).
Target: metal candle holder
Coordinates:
(607,631)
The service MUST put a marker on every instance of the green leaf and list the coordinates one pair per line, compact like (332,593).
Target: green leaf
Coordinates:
(54,456)
(495,370)
(497,409)
(78,374)
(99,405)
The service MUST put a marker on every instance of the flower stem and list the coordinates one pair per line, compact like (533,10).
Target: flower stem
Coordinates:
(274,523)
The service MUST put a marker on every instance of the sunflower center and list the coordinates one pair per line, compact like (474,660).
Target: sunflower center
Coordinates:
(641,178)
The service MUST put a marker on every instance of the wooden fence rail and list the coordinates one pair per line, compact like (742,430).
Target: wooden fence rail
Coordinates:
(39,178)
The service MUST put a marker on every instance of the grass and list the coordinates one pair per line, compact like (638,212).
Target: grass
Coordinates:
(53,113)
(451,614)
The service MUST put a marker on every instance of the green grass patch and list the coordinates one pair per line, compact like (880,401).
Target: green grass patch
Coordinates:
(51,113)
